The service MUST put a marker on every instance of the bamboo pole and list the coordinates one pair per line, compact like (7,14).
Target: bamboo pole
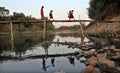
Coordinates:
(11,31)
(12,48)
(82,34)
(45,30)
(12,39)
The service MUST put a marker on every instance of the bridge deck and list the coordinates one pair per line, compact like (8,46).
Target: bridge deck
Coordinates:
(40,21)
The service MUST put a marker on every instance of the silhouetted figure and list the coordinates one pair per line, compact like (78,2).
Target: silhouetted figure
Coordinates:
(44,64)
(51,15)
(70,15)
(71,60)
(52,61)
(42,12)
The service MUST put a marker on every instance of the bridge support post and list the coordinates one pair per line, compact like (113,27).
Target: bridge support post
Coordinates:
(45,30)
(11,31)
(82,34)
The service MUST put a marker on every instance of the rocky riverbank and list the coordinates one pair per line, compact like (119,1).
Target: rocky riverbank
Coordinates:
(105,59)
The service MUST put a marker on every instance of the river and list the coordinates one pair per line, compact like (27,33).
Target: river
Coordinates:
(29,53)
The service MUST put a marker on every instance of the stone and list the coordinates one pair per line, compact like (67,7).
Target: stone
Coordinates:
(113,47)
(90,52)
(62,71)
(117,57)
(105,63)
(90,69)
(80,54)
(92,61)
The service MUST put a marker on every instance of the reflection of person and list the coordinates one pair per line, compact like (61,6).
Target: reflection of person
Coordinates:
(58,42)
(42,12)
(44,64)
(52,61)
(71,60)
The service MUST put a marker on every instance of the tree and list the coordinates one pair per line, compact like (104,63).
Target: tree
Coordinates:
(18,16)
(100,9)
(3,12)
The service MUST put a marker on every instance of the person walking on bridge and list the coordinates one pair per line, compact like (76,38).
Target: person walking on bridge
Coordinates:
(50,14)
(42,12)
(70,14)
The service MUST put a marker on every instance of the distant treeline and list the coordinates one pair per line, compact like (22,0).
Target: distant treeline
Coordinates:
(100,9)
(72,28)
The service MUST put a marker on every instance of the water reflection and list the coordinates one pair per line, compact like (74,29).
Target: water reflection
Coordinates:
(52,61)
(12,45)
(33,54)
(44,64)
(71,60)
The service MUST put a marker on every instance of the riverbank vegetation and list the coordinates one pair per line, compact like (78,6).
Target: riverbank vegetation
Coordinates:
(100,9)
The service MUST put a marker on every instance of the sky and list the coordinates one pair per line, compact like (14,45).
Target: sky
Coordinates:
(60,8)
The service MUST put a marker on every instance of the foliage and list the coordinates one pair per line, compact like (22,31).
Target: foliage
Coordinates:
(3,13)
(100,9)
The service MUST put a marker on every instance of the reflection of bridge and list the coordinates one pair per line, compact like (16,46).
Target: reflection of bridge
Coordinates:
(35,56)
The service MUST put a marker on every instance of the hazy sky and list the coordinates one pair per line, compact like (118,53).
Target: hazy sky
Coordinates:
(60,7)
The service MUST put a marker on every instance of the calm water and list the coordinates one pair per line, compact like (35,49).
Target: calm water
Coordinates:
(30,54)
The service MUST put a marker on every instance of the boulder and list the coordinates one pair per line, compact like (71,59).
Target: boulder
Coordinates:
(117,53)
(113,47)
(116,40)
(116,50)
(105,63)
(80,54)
(92,61)
(117,57)
(90,69)
(90,52)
